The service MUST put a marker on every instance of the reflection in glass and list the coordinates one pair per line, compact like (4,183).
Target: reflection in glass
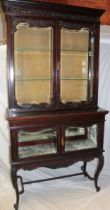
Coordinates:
(91,73)
(75,52)
(36,143)
(78,138)
(33,64)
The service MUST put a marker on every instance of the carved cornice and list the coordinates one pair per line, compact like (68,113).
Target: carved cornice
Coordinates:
(46,13)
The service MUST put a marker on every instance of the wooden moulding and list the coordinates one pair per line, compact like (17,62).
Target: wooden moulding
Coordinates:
(100,4)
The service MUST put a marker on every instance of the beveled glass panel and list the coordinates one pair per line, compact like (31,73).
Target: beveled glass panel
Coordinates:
(75,68)
(33,64)
(79,138)
(36,143)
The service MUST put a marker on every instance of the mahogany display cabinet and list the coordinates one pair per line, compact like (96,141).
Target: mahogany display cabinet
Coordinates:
(53,114)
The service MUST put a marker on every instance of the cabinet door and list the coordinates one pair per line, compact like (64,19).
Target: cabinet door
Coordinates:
(80,138)
(39,142)
(33,60)
(76,64)
(54,65)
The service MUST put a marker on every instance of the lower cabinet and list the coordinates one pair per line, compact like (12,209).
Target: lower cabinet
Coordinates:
(56,140)
(44,141)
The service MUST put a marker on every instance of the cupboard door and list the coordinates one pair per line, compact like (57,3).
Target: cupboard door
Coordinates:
(79,138)
(33,57)
(36,143)
(76,68)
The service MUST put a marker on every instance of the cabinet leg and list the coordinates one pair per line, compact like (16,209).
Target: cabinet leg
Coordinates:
(83,168)
(15,185)
(98,170)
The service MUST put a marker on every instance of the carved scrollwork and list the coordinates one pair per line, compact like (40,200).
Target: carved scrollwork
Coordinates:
(30,23)
(34,12)
(42,13)
(52,165)
(78,26)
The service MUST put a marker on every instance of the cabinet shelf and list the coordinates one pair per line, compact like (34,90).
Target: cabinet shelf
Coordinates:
(69,51)
(31,50)
(74,78)
(33,78)
(47,78)
(77,52)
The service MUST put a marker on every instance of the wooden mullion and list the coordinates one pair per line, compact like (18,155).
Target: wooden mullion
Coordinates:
(36,142)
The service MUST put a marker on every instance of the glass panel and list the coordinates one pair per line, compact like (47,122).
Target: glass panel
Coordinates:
(77,90)
(75,56)
(78,138)
(91,73)
(33,64)
(36,143)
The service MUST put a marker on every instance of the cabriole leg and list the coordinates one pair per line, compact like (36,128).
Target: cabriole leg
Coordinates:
(98,170)
(15,185)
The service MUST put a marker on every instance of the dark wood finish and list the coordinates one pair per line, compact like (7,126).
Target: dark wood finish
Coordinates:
(56,16)
(57,115)
(100,4)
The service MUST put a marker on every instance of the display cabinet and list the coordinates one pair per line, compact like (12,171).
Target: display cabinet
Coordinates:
(54,118)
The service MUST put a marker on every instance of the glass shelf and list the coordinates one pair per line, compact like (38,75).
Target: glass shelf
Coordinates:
(73,78)
(34,78)
(79,145)
(74,51)
(41,78)
(32,50)
(77,52)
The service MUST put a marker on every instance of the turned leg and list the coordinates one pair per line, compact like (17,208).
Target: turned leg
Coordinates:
(98,170)
(15,185)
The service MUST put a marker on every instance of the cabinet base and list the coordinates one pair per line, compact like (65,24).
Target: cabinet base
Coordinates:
(84,172)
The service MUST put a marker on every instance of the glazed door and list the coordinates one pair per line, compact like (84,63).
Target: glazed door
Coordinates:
(53,65)
(33,63)
(36,142)
(76,65)
(80,137)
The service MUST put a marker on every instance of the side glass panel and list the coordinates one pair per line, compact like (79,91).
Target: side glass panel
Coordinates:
(76,65)
(33,64)
(79,138)
(36,143)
